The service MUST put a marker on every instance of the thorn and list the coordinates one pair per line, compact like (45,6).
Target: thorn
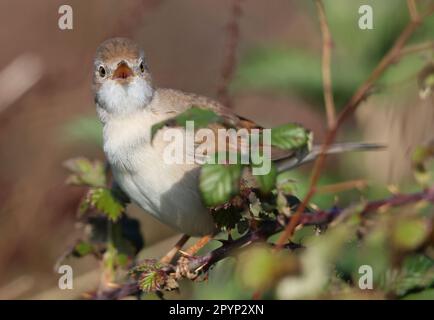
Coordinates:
(200,268)
(113,285)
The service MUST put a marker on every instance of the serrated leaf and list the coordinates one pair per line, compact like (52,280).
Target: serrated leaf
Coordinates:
(151,277)
(417,272)
(149,282)
(103,200)
(219,182)
(290,136)
(201,118)
(85,172)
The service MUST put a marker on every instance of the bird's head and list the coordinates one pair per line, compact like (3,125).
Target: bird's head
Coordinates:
(122,82)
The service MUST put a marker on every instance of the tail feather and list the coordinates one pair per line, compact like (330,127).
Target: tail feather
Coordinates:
(293,162)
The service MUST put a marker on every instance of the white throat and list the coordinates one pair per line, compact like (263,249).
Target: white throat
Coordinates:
(115,99)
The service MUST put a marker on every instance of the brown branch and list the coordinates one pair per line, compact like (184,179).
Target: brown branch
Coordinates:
(412,8)
(342,186)
(230,61)
(267,229)
(326,64)
(429,45)
(361,94)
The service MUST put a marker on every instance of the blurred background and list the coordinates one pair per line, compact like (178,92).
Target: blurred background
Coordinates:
(47,113)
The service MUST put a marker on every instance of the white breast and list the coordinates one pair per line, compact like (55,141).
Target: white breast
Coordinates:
(167,191)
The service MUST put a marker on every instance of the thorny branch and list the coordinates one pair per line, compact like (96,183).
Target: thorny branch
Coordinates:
(326,64)
(229,64)
(412,8)
(192,265)
(360,95)
(429,45)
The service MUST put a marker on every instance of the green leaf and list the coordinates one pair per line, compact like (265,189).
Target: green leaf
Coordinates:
(267,182)
(417,272)
(258,267)
(410,233)
(286,183)
(83,248)
(296,71)
(103,200)
(290,136)
(85,172)
(122,259)
(201,118)
(420,158)
(423,295)
(149,282)
(219,182)
(151,277)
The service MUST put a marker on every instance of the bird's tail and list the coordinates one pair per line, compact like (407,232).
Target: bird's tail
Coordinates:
(293,162)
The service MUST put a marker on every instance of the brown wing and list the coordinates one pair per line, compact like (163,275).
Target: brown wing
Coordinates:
(174,102)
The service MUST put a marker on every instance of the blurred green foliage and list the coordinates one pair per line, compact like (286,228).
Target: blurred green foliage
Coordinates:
(295,70)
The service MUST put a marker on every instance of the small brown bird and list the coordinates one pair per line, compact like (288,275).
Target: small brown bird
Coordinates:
(128,104)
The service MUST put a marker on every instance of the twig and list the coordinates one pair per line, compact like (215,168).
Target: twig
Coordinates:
(229,64)
(342,186)
(412,8)
(429,45)
(326,64)
(269,228)
(361,94)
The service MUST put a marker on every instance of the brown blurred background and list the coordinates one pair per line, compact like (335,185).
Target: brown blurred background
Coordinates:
(185,45)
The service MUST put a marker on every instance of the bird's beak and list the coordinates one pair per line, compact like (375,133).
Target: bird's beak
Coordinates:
(123,71)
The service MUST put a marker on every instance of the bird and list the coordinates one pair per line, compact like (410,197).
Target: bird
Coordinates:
(129,104)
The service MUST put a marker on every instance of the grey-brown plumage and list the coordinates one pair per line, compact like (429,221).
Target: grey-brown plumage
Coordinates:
(129,105)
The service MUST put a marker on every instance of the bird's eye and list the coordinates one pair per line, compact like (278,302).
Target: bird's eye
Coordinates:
(142,67)
(101,71)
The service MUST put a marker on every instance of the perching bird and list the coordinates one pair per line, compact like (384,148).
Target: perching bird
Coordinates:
(128,104)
